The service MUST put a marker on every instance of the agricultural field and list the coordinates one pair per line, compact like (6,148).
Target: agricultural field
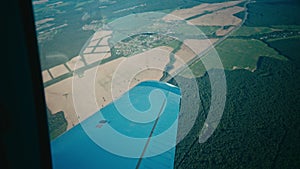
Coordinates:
(260,123)
(256,41)
(238,54)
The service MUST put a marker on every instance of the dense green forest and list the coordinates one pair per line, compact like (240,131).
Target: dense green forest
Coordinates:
(260,124)
(57,124)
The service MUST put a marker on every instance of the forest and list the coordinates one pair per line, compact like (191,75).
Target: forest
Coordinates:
(57,124)
(260,124)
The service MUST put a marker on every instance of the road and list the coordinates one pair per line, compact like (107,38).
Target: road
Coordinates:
(198,57)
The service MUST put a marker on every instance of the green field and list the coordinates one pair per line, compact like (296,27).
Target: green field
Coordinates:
(287,27)
(238,53)
(209,30)
(249,31)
